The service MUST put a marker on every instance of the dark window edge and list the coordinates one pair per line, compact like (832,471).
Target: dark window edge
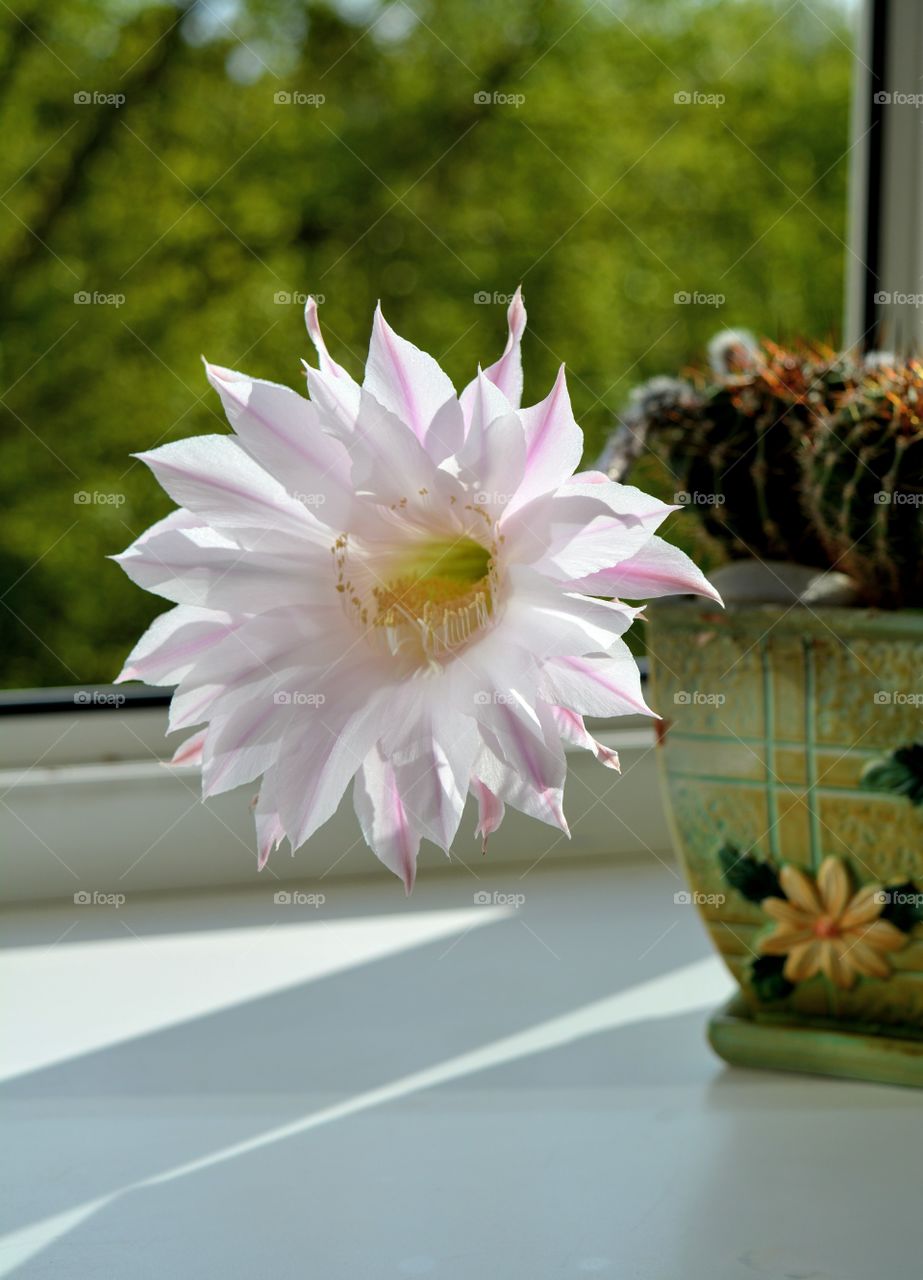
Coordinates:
(82,698)
(105,697)
(878,53)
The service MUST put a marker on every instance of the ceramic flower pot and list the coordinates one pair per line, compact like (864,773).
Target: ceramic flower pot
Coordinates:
(796,797)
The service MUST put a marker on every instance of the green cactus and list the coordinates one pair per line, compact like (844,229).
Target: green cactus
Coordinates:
(796,454)
(862,484)
(733,443)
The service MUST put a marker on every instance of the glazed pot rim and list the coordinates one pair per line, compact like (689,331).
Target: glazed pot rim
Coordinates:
(694,613)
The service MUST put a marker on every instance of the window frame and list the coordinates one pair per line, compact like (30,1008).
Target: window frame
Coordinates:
(884,262)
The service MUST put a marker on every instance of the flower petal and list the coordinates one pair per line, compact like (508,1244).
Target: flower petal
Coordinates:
(783,938)
(382,815)
(173,643)
(446,432)
(781,941)
(554,444)
(582,529)
(317,760)
(269,829)
(657,569)
(190,752)
(433,777)
(864,907)
(572,729)
(835,965)
(867,961)
(506,373)
(491,810)
(803,961)
(246,743)
(394,469)
(627,501)
(403,379)
(336,401)
(800,890)
(882,935)
(833,886)
(542,620)
(227,673)
(517,764)
(333,391)
(328,365)
(482,401)
(202,567)
(594,686)
(282,431)
(490,463)
(432,745)
(213,477)
(787,913)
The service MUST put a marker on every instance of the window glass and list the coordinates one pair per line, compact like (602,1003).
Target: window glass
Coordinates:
(175,184)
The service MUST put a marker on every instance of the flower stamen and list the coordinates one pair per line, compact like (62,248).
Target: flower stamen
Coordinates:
(431,599)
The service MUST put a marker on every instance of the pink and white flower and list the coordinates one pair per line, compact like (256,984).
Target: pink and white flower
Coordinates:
(399,585)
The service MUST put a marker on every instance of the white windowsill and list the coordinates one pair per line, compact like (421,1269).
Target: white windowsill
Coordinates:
(88,804)
(376,1087)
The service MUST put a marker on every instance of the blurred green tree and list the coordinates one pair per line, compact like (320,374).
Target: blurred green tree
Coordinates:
(174,163)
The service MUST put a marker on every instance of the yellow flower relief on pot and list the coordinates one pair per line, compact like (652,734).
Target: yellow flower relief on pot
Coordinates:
(823,927)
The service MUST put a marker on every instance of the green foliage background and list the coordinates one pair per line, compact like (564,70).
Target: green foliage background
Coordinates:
(201,198)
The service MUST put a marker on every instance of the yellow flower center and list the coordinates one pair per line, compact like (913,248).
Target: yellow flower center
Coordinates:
(429,599)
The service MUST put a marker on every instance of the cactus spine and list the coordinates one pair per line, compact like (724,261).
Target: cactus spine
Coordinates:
(796,454)
(862,484)
(733,445)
